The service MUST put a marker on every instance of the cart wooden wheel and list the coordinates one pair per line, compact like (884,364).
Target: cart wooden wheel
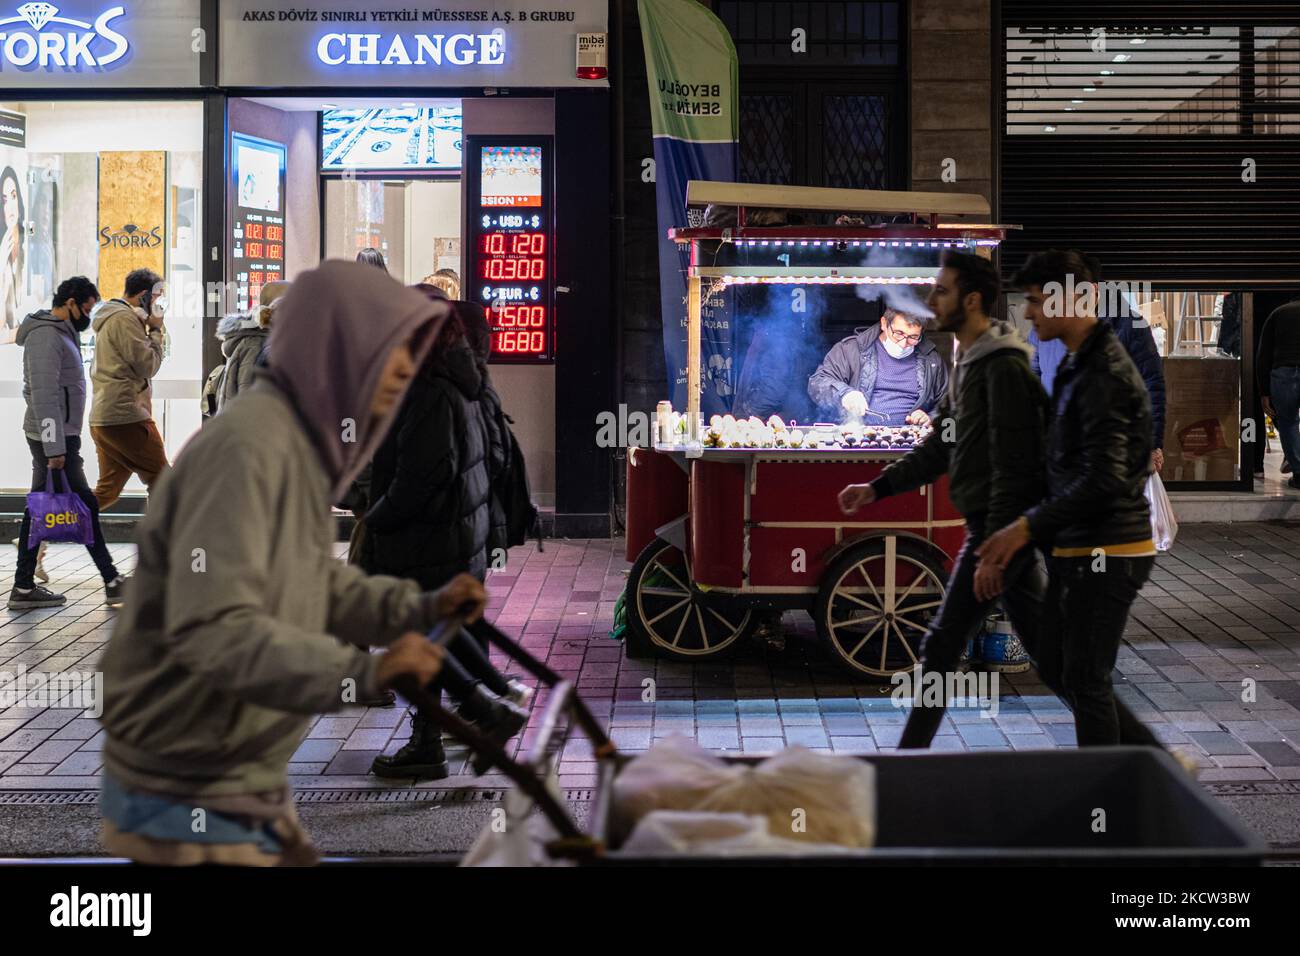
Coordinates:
(667,615)
(876,601)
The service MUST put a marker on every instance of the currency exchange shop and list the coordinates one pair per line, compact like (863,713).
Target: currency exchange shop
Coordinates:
(468,143)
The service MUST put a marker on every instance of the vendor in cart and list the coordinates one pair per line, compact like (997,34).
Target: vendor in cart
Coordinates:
(886,374)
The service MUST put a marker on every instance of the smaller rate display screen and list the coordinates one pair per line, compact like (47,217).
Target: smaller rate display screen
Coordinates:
(509,263)
(256,241)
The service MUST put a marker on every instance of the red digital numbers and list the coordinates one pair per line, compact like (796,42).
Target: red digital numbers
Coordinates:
(519,329)
(514,270)
(517,316)
(254,250)
(275,233)
(519,257)
(516,341)
(517,244)
(253,230)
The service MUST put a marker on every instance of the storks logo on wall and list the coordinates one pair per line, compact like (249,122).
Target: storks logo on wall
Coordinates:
(131,236)
(94,46)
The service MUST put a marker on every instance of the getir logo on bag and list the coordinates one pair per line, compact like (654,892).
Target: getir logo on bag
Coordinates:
(62,517)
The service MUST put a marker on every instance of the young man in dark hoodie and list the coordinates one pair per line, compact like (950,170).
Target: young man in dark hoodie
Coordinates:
(54,388)
(1094,517)
(988,438)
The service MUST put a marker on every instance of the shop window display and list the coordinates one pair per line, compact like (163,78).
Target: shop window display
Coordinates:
(96,189)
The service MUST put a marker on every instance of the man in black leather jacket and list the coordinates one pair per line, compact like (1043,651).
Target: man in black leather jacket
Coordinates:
(1095,519)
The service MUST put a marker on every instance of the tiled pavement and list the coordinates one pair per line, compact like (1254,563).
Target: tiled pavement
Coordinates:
(1221,614)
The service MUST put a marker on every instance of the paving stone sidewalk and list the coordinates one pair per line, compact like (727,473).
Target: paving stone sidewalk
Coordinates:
(1211,661)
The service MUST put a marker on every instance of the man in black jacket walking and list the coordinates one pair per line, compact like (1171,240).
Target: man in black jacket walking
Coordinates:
(1095,516)
(988,438)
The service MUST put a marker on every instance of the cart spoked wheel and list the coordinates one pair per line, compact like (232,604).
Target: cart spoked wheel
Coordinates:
(876,601)
(668,616)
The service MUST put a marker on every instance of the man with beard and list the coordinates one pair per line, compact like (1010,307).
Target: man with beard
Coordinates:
(989,435)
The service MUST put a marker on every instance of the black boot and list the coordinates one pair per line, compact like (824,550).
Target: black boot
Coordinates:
(497,719)
(422,758)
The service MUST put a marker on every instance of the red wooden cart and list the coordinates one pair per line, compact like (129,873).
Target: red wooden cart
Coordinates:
(718,535)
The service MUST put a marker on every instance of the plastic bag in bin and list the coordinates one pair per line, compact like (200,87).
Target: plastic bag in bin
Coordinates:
(807,797)
(673,775)
(710,834)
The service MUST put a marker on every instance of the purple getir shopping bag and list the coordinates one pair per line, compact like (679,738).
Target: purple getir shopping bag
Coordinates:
(58,515)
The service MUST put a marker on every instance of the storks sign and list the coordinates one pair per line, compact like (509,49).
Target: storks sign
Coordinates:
(69,43)
(146,43)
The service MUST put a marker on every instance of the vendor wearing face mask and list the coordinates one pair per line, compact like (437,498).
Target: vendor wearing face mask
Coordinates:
(886,374)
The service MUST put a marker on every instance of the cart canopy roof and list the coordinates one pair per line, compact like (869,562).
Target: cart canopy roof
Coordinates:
(705,193)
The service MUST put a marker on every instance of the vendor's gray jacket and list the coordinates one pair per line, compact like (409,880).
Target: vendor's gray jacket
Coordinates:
(54,386)
(851,364)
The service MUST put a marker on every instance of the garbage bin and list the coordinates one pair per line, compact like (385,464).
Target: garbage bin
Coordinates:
(1102,805)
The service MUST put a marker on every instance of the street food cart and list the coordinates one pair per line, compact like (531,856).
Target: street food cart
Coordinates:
(728,519)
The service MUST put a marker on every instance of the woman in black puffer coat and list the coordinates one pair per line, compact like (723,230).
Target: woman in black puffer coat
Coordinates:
(430,486)
(428,520)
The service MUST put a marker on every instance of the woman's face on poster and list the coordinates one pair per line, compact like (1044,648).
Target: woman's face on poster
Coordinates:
(9,196)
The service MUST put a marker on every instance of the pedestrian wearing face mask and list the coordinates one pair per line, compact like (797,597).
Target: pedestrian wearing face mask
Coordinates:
(54,389)
(886,374)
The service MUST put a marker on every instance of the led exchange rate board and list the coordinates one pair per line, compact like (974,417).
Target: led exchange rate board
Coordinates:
(510,241)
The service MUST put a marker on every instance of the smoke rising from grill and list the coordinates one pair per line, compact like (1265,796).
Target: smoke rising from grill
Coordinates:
(780,342)
(904,298)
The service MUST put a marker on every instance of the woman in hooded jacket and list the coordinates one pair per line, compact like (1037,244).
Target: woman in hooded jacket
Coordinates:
(228,642)
(429,519)
(243,335)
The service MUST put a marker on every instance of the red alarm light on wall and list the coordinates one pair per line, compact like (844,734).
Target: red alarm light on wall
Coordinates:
(593,56)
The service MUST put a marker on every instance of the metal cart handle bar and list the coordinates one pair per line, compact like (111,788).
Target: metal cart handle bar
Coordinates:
(525,773)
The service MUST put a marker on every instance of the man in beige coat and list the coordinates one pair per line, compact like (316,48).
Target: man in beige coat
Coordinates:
(128,353)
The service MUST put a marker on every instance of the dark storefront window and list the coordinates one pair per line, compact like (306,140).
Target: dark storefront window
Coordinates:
(836,33)
(855,142)
(1165,146)
(821,92)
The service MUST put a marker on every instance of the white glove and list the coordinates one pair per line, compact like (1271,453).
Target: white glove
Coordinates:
(855,403)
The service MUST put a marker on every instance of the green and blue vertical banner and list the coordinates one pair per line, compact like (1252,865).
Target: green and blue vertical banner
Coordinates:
(693,80)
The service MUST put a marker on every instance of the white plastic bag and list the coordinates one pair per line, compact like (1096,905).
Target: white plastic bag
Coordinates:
(673,775)
(814,798)
(515,835)
(808,797)
(713,834)
(1164,526)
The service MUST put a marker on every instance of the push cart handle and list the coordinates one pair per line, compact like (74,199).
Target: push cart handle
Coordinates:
(604,747)
(563,699)
(429,707)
